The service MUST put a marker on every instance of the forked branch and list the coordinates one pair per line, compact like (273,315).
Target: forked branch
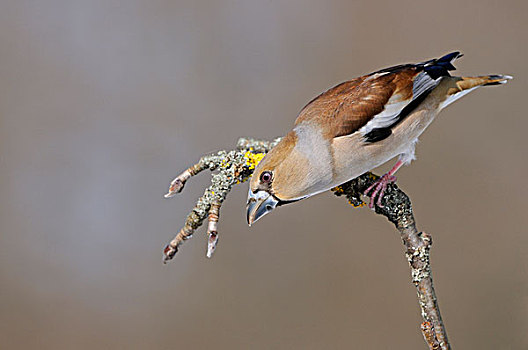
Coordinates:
(233,167)
(237,166)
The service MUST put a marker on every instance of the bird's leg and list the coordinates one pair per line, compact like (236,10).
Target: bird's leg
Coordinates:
(378,188)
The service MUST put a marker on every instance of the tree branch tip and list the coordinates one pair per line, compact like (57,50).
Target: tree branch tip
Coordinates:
(170,194)
(175,187)
(169,252)
(211,244)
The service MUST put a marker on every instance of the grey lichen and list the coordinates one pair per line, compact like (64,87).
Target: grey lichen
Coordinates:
(421,270)
(236,166)
(397,208)
(257,146)
(233,167)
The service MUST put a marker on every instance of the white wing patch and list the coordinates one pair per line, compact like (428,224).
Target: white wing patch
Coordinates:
(422,83)
(387,116)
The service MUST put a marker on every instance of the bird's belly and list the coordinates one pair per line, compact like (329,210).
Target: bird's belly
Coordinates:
(353,157)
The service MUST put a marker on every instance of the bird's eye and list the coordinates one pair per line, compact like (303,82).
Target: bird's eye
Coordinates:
(266,176)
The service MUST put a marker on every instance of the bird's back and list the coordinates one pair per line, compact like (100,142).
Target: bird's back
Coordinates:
(376,102)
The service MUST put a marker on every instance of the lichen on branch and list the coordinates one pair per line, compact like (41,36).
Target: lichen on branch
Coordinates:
(234,167)
(237,166)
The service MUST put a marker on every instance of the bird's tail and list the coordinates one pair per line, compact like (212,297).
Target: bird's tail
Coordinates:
(472,82)
(464,85)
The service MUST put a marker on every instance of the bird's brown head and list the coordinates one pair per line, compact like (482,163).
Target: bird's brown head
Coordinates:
(277,179)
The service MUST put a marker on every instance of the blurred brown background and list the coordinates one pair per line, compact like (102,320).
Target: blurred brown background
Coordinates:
(103,102)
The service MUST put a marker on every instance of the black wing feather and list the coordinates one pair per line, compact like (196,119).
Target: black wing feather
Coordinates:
(435,68)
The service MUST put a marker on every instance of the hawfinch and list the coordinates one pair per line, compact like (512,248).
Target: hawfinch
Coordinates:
(355,127)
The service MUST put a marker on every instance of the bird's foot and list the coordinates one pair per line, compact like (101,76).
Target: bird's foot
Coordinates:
(378,189)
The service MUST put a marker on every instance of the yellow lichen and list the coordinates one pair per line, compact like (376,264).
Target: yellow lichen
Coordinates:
(360,205)
(252,159)
(338,190)
(242,180)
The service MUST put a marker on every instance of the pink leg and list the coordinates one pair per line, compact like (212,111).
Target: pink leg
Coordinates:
(381,185)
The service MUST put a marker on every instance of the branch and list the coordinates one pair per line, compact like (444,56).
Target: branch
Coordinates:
(236,166)
(396,207)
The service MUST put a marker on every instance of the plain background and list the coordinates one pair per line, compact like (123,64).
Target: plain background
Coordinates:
(103,102)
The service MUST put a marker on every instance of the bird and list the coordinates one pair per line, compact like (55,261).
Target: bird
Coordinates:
(355,127)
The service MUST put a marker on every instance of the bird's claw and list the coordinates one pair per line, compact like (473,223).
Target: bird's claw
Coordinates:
(378,190)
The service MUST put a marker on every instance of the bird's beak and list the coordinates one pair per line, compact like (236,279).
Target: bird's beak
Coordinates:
(258,205)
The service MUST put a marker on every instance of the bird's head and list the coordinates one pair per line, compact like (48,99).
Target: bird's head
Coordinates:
(284,175)
(270,185)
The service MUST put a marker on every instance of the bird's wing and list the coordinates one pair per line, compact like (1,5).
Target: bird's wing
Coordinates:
(375,103)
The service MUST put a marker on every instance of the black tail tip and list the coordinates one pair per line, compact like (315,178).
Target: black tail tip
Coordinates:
(450,57)
(498,79)
(440,67)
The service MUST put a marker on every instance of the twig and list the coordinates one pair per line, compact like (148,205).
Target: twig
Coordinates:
(430,336)
(396,207)
(233,167)
(212,228)
(237,166)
